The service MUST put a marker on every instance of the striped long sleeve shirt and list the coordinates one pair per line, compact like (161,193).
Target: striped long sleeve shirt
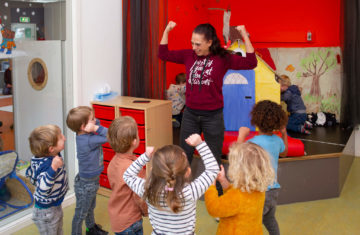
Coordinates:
(51,186)
(163,220)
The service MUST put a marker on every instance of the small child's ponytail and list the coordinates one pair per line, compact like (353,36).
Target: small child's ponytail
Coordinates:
(167,178)
(172,194)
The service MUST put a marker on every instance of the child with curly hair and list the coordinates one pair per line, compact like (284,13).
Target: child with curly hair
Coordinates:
(240,208)
(268,116)
(168,190)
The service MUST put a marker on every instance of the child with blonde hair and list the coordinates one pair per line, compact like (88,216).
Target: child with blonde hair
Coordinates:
(291,95)
(169,193)
(268,117)
(47,172)
(240,207)
(125,207)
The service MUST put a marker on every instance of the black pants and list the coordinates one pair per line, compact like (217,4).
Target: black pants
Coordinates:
(213,129)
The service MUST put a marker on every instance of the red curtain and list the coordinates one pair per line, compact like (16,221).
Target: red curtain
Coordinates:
(143,74)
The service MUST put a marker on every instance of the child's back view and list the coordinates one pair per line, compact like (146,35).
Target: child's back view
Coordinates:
(268,116)
(241,207)
(168,190)
(125,207)
(47,172)
(176,93)
(89,138)
(291,95)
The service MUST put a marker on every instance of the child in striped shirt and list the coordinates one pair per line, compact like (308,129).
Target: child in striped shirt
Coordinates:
(168,191)
(47,172)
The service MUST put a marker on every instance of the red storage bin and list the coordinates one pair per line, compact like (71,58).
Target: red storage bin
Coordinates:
(108,154)
(104,112)
(107,145)
(106,164)
(105,123)
(138,115)
(104,181)
(141,148)
(141,131)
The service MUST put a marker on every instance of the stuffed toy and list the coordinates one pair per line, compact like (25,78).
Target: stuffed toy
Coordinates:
(7,40)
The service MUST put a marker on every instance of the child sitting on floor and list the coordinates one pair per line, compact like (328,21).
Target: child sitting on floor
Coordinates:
(291,95)
(240,208)
(176,93)
(125,207)
(168,191)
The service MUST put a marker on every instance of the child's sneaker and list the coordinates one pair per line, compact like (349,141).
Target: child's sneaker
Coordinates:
(304,131)
(96,230)
(308,125)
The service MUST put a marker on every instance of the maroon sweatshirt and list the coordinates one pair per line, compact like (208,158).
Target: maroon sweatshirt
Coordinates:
(210,70)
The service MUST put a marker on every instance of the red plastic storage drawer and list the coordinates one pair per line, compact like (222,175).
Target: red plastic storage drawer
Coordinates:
(105,123)
(104,181)
(141,148)
(107,145)
(104,112)
(138,115)
(108,154)
(106,164)
(141,131)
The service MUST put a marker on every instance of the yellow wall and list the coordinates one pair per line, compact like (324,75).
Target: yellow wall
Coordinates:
(266,87)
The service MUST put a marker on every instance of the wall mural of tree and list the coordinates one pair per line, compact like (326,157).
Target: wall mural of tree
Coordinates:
(315,65)
(317,72)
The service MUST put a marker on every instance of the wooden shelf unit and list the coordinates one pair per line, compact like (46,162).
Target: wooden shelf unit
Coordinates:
(154,121)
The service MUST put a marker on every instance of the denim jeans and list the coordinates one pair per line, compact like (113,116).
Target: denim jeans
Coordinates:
(269,219)
(296,121)
(85,193)
(135,229)
(49,221)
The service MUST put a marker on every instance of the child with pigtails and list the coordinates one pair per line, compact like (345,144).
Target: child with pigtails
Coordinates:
(169,192)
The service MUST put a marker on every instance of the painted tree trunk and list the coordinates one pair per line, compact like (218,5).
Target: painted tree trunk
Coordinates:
(315,86)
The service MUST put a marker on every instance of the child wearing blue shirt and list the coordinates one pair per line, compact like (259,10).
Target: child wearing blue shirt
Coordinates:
(90,135)
(268,116)
(47,172)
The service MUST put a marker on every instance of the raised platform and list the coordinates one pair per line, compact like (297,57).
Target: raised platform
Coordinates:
(318,175)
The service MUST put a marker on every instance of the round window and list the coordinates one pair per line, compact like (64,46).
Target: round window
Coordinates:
(37,73)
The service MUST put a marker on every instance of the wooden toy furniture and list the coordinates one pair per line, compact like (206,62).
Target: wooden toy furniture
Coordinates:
(154,119)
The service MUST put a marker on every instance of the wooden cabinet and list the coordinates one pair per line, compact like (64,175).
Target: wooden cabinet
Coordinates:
(153,119)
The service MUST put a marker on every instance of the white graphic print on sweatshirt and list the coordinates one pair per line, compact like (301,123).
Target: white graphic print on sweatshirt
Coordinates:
(197,69)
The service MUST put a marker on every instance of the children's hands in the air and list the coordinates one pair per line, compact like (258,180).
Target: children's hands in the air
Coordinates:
(244,131)
(91,127)
(149,151)
(194,140)
(170,26)
(56,163)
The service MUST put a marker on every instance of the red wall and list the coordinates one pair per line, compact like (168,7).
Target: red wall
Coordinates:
(278,23)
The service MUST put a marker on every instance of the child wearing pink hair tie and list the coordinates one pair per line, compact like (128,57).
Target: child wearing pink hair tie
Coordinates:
(169,193)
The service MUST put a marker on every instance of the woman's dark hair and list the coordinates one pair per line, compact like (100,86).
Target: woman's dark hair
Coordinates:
(209,33)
